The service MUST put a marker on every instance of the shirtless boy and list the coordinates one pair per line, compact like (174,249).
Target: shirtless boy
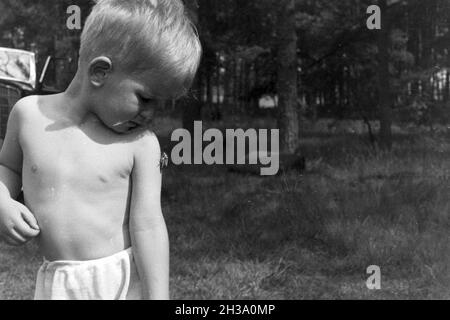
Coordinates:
(88,163)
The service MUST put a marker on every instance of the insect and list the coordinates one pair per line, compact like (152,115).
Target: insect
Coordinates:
(164,161)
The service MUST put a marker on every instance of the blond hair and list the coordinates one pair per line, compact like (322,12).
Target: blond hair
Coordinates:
(139,35)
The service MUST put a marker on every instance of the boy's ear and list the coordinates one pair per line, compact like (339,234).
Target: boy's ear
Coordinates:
(99,69)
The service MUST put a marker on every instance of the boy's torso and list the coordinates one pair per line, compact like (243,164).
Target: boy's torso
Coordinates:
(76,181)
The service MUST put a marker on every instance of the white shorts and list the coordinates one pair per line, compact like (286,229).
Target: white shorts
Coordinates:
(110,278)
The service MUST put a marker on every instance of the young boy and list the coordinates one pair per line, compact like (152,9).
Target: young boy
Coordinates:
(87,162)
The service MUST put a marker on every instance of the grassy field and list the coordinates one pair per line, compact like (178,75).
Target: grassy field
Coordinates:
(302,236)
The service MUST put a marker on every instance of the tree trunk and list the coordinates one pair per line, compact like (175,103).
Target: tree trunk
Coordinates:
(228,92)
(287,77)
(255,97)
(209,89)
(385,114)
(236,86)
(241,86)
(192,107)
(413,45)
(447,86)
(218,85)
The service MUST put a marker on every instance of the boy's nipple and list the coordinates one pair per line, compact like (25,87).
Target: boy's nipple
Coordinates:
(34,168)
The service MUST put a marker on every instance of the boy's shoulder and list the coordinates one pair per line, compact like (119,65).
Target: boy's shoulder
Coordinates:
(147,142)
(26,102)
(29,103)
(147,155)
(24,106)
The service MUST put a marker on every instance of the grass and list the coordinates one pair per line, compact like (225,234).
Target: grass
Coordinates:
(302,236)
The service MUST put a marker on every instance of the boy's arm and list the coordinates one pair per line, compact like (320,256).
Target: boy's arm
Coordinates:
(147,226)
(17,224)
(11,155)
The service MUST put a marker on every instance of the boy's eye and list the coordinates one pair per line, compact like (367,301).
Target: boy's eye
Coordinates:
(145,100)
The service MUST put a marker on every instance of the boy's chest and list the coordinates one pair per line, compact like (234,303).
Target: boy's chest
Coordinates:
(71,154)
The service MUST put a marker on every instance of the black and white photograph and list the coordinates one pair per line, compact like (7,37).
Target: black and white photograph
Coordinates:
(224,150)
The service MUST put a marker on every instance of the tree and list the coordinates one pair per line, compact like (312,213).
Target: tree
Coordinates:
(192,106)
(383,80)
(287,77)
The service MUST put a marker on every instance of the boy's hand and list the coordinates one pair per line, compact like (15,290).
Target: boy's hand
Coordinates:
(17,224)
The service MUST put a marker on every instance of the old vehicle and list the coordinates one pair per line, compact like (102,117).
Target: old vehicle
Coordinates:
(18,78)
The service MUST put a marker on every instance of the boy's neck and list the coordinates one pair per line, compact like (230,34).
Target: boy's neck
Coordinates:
(75,99)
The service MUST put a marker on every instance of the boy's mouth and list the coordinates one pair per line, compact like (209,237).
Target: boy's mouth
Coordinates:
(129,125)
(124,127)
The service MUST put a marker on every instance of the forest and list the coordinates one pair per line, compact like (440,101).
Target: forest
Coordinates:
(252,48)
